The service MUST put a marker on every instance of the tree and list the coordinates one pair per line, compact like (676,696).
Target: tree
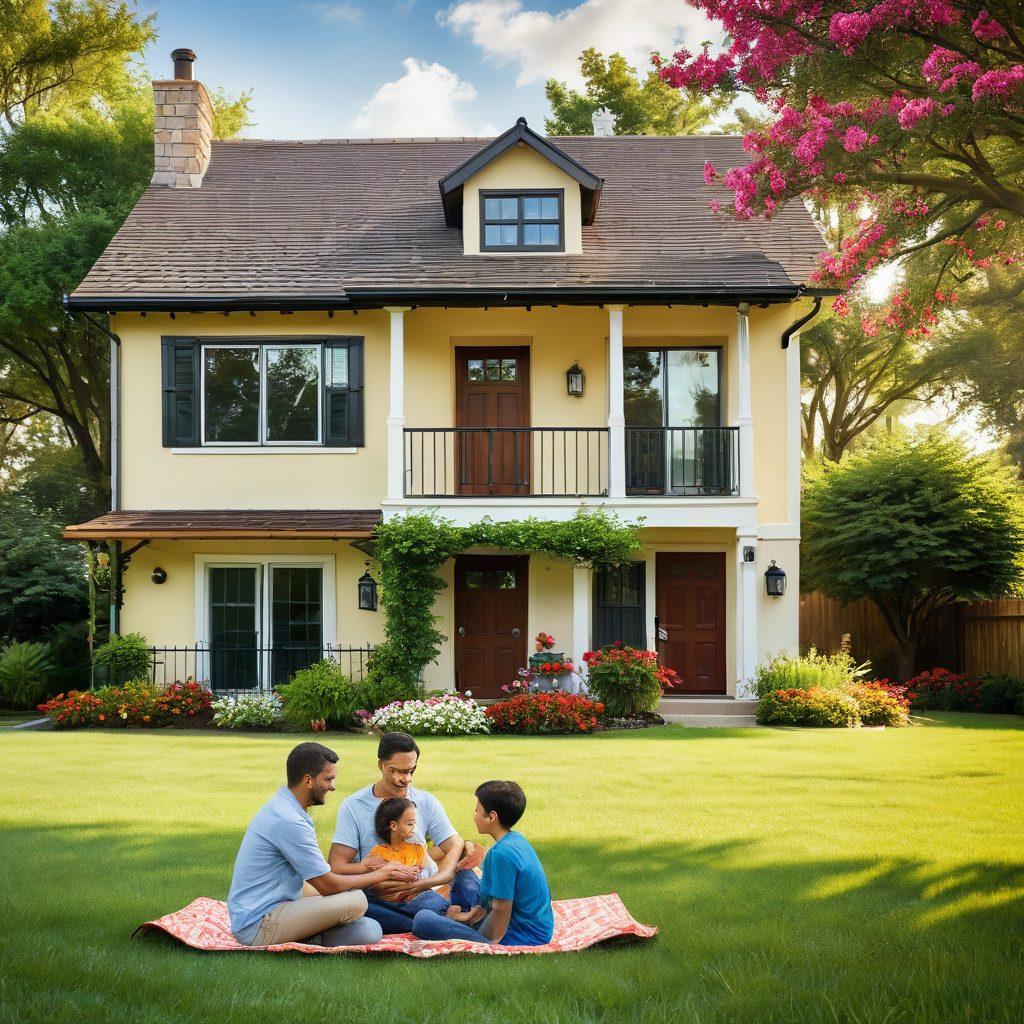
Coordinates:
(645,106)
(913,525)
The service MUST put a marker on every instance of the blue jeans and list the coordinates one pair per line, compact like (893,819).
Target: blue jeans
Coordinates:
(429,925)
(396,918)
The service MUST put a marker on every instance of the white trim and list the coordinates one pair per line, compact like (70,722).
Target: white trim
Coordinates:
(746,627)
(793,433)
(271,449)
(778,531)
(582,591)
(616,406)
(745,417)
(396,408)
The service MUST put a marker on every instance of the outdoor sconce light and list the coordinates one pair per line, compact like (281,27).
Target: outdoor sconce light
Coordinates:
(749,553)
(774,580)
(158,576)
(367,593)
(575,379)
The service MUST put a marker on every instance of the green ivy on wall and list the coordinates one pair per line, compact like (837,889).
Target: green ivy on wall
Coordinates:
(411,550)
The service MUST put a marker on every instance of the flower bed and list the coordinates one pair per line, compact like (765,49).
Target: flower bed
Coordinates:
(881,703)
(247,711)
(137,705)
(445,715)
(546,713)
(941,690)
(813,707)
(626,680)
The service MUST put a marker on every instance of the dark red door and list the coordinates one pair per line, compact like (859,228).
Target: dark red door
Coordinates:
(493,406)
(490,622)
(691,618)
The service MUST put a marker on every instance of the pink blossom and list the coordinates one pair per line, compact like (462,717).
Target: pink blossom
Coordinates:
(999,84)
(914,111)
(855,139)
(1000,225)
(869,327)
(709,173)
(985,27)
(715,206)
(945,69)
(848,31)
(839,306)
(839,178)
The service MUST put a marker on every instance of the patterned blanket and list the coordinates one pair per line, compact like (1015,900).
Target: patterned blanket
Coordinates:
(203,924)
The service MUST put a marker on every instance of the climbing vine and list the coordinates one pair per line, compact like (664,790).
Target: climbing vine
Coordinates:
(411,549)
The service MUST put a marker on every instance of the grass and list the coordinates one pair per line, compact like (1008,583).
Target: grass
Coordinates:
(803,876)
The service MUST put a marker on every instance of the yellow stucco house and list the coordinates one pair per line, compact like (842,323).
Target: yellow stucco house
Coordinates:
(310,337)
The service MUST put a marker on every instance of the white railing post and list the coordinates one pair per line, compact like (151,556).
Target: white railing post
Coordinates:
(745,417)
(616,408)
(396,407)
(746,632)
(581,592)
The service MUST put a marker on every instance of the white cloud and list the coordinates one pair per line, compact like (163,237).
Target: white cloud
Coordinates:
(337,13)
(429,99)
(546,45)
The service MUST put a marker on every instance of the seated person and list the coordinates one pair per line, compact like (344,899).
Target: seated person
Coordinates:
(514,884)
(279,853)
(395,824)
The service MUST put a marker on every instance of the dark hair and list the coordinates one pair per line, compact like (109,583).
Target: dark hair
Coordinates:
(308,759)
(506,799)
(392,743)
(388,811)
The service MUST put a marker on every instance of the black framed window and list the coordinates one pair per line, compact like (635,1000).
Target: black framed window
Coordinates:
(527,221)
(620,605)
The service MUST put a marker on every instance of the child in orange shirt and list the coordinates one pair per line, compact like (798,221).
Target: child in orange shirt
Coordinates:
(395,825)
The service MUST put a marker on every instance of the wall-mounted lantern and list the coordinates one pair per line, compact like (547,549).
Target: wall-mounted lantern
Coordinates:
(774,580)
(367,593)
(158,576)
(575,379)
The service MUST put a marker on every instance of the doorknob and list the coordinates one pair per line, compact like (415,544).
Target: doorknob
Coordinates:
(516,634)
(462,630)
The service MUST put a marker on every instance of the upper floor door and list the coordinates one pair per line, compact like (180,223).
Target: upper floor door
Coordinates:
(493,447)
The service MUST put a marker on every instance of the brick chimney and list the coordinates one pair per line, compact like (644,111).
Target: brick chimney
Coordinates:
(183,126)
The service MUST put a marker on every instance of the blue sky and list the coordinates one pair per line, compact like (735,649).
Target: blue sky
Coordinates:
(342,68)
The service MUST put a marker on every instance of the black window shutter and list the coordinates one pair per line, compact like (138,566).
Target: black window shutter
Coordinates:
(180,371)
(343,406)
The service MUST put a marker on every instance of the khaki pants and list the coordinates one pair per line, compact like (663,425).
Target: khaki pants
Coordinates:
(295,920)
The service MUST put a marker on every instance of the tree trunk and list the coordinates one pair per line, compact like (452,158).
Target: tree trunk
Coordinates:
(906,656)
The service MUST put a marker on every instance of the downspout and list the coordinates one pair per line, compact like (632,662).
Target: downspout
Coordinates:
(802,322)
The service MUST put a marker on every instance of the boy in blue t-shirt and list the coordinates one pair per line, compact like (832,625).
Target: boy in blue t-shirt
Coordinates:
(514,885)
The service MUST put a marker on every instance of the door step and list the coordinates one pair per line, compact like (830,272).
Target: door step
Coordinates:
(708,712)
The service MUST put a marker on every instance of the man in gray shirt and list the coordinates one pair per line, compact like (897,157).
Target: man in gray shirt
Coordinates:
(280,854)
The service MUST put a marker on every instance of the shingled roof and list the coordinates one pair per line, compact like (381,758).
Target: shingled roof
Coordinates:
(360,222)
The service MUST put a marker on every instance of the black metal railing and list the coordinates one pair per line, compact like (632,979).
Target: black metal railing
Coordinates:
(682,460)
(451,462)
(241,668)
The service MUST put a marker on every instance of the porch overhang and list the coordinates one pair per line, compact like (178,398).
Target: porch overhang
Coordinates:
(340,524)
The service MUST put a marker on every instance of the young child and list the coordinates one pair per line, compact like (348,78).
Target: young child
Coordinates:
(513,882)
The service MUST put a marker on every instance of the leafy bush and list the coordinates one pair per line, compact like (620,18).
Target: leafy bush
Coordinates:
(1000,694)
(815,706)
(792,672)
(248,711)
(25,670)
(69,652)
(447,715)
(184,704)
(545,713)
(941,690)
(320,693)
(74,710)
(879,704)
(627,680)
(134,704)
(378,690)
(123,658)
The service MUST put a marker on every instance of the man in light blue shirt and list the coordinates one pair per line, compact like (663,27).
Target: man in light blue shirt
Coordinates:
(451,860)
(279,853)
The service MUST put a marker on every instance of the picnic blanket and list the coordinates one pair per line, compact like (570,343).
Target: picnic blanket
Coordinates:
(203,924)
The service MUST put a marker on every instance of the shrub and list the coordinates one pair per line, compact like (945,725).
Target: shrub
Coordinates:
(815,706)
(1000,694)
(25,670)
(73,710)
(69,652)
(792,672)
(319,693)
(627,680)
(447,715)
(941,690)
(134,704)
(247,711)
(123,658)
(879,704)
(184,704)
(548,713)
(378,690)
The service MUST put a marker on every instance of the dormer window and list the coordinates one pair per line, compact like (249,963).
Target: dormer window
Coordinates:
(531,220)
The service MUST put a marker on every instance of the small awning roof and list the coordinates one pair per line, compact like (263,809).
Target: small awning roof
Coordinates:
(228,525)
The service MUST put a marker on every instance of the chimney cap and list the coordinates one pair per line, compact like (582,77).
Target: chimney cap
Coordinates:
(183,59)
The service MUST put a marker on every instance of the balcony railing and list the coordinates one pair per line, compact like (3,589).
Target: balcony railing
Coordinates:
(685,461)
(467,462)
(241,667)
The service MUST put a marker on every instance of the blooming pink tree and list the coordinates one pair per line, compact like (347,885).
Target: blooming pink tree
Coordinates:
(906,115)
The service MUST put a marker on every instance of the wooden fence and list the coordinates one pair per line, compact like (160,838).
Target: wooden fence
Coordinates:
(987,636)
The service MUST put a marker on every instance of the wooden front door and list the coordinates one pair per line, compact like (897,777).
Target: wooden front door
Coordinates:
(490,622)
(492,393)
(690,609)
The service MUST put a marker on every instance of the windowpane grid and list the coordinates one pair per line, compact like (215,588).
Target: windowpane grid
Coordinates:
(525,221)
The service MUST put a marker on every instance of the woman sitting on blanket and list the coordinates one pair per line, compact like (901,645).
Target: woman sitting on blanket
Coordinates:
(395,824)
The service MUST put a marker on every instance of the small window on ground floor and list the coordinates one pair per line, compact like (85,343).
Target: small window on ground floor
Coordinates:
(620,605)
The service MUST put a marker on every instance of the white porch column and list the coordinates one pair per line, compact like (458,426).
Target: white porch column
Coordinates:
(616,409)
(794,438)
(396,408)
(745,417)
(746,627)
(581,593)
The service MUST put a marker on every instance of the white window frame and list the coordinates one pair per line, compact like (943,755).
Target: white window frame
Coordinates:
(263,440)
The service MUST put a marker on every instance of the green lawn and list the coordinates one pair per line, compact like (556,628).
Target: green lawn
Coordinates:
(862,876)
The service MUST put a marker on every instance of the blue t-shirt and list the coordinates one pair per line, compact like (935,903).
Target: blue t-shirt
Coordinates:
(513,871)
(278,853)
(355,823)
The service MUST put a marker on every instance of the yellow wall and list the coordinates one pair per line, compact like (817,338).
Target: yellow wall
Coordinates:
(520,168)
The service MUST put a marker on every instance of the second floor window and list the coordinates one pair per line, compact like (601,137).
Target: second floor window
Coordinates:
(521,221)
